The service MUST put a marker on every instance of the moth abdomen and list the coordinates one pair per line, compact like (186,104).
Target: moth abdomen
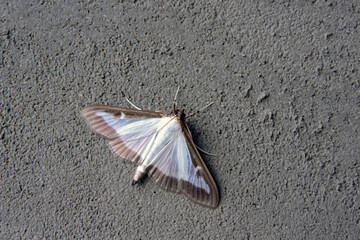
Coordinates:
(139,174)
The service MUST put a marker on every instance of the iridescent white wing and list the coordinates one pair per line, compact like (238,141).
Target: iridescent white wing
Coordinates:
(179,168)
(160,143)
(129,131)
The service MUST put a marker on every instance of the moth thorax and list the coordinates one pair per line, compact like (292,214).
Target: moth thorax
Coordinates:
(180,113)
(139,174)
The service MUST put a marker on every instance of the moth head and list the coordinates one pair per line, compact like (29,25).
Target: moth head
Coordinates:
(180,113)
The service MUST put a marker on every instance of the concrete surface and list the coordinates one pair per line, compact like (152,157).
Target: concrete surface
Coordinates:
(285,123)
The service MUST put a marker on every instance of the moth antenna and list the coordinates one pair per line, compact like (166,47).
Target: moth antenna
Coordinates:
(174,103)
(192,114)
(132,104)
(207,153)
(129,101)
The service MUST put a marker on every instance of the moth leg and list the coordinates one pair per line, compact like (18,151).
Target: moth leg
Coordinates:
(207,153)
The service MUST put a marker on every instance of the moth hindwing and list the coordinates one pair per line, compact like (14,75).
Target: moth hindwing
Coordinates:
(160,143)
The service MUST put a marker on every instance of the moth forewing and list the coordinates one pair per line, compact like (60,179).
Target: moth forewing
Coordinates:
(161,144)
(207,198)
(101,118)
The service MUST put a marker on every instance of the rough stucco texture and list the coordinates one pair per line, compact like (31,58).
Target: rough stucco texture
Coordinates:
(285,124)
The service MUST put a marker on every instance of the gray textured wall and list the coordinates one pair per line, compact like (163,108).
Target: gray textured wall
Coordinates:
(285,123)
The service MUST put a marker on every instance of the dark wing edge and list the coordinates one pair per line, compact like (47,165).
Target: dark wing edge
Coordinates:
(192,192)
(197,194)
(116,143)
(98,125)
(163,169)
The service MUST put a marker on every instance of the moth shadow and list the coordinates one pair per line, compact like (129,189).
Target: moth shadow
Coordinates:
(200,139)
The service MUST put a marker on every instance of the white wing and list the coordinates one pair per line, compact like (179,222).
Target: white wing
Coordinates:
(161,145)
(175,169)
(130,131)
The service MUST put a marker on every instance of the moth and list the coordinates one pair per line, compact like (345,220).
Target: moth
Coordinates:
(160,143)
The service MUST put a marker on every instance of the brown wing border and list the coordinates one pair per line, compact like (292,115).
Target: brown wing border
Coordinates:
(98,125)
(188,189)
(198,161)
(95,122)
(195,194)
(129,112)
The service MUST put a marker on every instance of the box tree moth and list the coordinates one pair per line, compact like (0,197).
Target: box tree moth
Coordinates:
(160,143)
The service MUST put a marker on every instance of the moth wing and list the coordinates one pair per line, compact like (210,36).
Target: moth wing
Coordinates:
(178,167)
(128,130)
(175,166)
